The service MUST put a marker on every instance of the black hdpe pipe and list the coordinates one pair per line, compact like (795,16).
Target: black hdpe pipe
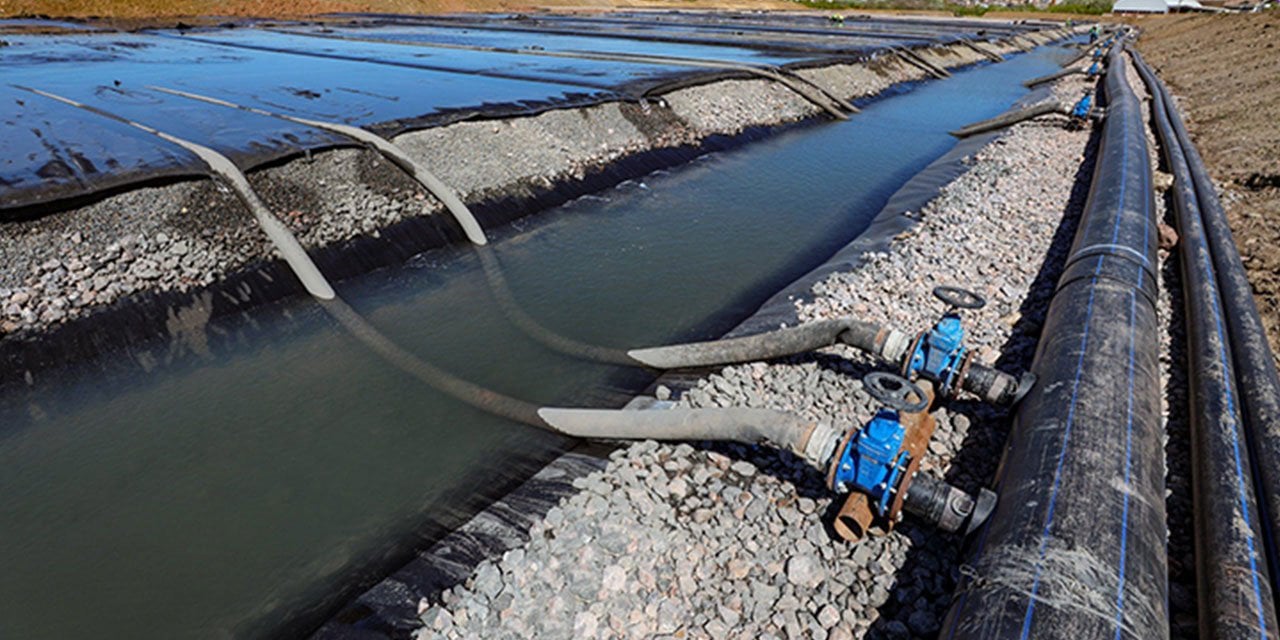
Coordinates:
(1076,546)
(1235,581)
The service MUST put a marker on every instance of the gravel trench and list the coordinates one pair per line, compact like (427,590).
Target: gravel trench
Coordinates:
(707,540)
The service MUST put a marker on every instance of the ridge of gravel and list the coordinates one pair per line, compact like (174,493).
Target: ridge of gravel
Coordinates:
(188,235)
(714,540)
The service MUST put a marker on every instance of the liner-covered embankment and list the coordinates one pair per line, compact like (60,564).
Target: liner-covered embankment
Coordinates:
(110,268)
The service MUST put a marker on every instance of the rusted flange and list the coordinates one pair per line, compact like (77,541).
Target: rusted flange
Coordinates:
(857,518)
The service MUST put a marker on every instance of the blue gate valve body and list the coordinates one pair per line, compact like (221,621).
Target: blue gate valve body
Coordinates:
(939,355)
(873,461)
(1082,108)
(1094,69)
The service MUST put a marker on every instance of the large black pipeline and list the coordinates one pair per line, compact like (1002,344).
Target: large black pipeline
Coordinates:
(1236,597)
(1076,547)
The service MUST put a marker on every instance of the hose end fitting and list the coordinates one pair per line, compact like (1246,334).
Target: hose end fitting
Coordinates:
(995,386)
(947,507)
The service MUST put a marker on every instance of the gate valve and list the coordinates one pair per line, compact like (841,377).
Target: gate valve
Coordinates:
(939,354)
(1097,53)
(873,460)
(1082,111)
(1094,69)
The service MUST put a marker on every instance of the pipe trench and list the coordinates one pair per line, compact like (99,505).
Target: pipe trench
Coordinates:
(1234,526)
(1076,546)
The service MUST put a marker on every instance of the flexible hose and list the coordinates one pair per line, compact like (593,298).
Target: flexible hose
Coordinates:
(813,442)
(1035,82)
(750,426)
(1010,118)
(470,226)
(289,248)
(928,67)
(516,314)
(990,55)
(764,346)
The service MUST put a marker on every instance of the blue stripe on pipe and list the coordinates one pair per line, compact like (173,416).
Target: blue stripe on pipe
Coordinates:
(1128,466)
(1242,490)
(1057,474)
(1075,388)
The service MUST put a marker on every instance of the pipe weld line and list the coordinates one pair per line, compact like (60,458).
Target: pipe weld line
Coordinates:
(1110,250)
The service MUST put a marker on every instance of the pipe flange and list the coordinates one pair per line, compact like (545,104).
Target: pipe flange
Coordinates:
(837,454)
(895,508)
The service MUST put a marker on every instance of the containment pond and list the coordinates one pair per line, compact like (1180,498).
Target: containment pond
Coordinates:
(245,479)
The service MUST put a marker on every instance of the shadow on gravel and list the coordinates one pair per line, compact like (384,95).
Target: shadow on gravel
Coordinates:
(1183,617)
(922,591)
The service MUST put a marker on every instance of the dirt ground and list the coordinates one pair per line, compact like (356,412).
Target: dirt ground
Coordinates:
(1225,72)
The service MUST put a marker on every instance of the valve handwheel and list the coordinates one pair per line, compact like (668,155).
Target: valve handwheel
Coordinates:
(895,391)
(959,298)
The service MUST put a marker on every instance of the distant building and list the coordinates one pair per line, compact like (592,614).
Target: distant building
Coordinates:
(1140,6)
(1157,6)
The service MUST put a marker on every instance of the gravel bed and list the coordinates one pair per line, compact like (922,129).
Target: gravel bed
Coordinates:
(731,541)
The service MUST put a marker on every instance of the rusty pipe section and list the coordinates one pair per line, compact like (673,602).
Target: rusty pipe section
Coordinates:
(1076,546)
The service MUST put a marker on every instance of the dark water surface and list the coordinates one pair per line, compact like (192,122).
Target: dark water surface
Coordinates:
(265,464)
